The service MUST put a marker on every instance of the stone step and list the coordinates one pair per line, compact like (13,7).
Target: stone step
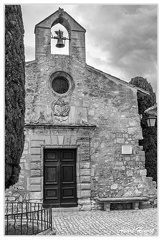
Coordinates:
(68,209)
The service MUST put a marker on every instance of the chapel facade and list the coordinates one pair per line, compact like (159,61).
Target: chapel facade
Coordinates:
(82,128)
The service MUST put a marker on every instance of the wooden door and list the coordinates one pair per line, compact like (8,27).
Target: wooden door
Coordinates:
(60,178)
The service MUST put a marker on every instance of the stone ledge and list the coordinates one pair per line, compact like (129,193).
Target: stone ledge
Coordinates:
(58,127)
(66,209)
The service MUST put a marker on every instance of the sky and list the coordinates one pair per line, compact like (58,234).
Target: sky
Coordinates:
(121,40)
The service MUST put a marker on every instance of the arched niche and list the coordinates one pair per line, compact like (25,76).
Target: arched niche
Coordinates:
(63,22)
(54,49)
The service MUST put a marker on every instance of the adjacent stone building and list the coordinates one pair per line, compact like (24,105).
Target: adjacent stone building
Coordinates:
(82,128)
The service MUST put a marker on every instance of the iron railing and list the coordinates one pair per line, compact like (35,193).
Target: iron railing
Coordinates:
(27,218)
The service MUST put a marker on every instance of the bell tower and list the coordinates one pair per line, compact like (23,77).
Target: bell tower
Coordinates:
(76,38)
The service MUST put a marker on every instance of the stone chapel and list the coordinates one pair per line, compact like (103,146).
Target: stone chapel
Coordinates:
(82,128)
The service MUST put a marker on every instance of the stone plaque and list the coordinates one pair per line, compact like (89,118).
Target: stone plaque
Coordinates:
(126,149)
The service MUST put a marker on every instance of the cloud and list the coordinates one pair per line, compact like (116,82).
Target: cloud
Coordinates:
(120,39)
(125,36)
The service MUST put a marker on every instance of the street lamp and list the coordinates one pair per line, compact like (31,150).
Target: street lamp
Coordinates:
(152,115)
(151,120)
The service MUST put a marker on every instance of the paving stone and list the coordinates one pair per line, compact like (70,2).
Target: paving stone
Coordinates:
(142,222)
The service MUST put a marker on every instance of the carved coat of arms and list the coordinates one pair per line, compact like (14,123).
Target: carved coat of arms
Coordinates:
(60,110)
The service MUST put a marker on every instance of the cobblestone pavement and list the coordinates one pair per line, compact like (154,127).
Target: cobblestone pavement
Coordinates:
(126,222)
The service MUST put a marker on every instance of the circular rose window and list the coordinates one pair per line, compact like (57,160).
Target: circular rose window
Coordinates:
(60,85)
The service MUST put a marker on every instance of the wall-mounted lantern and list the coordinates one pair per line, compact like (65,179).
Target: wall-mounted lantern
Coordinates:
(151,120)
(152,115)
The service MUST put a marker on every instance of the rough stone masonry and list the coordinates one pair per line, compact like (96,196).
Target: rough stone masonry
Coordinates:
(97,114)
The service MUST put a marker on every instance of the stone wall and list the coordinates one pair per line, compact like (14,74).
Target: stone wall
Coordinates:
(96,100)
(101,122)
(116,174)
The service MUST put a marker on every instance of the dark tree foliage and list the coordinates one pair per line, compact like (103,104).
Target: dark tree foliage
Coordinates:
(149,141)
(14,92)
(145,101)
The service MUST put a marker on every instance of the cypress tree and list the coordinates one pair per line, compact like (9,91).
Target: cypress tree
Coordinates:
(14,92)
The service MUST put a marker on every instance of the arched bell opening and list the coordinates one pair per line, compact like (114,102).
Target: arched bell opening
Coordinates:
(59,40)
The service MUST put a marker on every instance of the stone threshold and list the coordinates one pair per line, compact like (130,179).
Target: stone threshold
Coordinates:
(66,209)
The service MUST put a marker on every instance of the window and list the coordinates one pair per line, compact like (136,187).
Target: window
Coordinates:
(60,85)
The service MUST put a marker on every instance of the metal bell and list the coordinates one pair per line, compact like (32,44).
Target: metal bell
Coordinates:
(60,43)
(60,39)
